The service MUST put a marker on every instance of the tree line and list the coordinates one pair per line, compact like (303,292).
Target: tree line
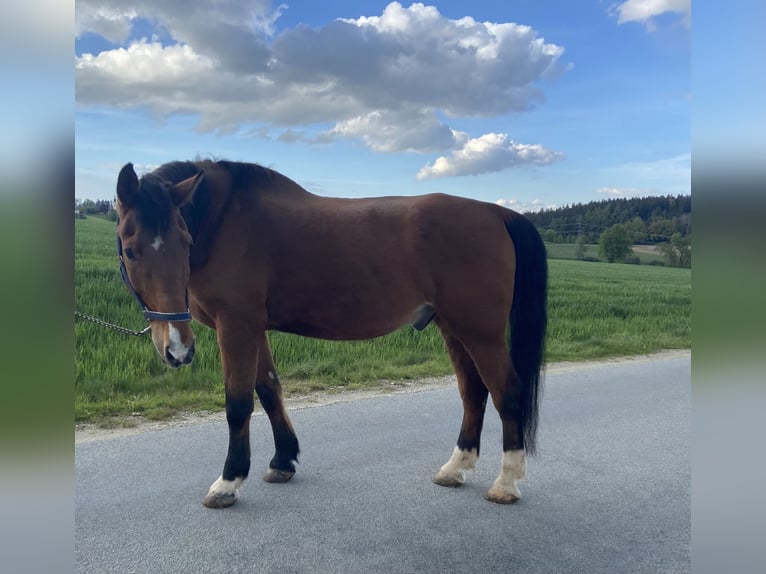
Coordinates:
(618,224)
(649,220)
(85,207)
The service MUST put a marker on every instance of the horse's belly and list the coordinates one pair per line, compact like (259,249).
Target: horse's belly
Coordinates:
(352,322)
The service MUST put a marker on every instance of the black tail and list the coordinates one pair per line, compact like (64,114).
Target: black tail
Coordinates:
(528,319)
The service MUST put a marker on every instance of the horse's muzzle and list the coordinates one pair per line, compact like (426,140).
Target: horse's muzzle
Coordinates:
(176,361)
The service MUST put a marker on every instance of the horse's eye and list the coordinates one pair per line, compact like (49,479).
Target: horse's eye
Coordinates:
(130,255)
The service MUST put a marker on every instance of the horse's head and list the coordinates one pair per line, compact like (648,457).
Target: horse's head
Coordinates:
(154,250)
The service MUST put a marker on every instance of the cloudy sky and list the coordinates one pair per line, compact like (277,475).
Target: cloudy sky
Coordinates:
(530,103)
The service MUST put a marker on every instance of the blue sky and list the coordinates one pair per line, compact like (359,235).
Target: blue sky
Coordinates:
(527,103)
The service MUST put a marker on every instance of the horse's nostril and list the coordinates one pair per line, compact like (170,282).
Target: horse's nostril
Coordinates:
(171,360)
(189,355)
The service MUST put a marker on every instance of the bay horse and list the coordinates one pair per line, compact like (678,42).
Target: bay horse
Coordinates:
(244,250)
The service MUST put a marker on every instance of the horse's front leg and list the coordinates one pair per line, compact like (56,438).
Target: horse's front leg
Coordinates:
(239,359)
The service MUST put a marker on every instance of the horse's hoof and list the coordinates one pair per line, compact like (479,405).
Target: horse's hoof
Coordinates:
(452,474)
(449,479)
(219,499)
(223,493)
(501,496)
(276,475)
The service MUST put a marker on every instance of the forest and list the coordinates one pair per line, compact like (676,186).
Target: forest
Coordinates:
(648,220)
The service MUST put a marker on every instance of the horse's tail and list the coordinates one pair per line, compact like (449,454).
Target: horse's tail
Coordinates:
(528,319)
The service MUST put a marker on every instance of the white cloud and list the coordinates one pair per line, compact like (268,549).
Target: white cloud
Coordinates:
(387,80)
(140,168)
(487,153)
(146,63)
(646,11)
(616,192)
(525,206)
(400,131)
(188,22)
(114,24)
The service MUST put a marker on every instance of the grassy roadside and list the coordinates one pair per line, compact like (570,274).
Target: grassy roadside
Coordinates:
(597,310)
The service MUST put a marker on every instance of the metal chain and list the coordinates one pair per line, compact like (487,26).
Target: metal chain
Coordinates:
(111,325)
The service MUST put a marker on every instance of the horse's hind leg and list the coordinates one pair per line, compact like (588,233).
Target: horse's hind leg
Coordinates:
(474,396)
(493,362)
(281,467)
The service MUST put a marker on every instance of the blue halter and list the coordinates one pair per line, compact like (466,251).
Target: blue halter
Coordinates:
(150,315)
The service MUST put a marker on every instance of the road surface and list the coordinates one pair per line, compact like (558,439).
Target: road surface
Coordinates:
(608,492)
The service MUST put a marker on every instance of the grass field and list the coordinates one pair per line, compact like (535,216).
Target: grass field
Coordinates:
(567,251)
(596,310)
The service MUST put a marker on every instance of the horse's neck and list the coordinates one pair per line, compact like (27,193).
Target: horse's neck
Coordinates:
(286,186)
(205,214)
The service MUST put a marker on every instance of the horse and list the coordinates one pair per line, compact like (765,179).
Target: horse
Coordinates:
(244,250)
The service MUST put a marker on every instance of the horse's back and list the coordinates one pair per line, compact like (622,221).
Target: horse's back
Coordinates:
(410,237)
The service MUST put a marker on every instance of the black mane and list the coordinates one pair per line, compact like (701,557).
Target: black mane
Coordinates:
(246,176)
(153,203)
(155,206)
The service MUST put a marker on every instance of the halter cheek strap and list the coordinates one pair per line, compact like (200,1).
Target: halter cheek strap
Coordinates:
(150,315)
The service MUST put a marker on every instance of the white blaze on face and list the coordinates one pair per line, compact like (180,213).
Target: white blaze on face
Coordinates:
(157,243)
(176,347)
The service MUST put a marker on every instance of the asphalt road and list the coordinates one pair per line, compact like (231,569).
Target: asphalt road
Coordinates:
(608,492)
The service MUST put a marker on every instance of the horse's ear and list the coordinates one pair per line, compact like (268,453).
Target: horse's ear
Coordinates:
(183,191)
(127,184)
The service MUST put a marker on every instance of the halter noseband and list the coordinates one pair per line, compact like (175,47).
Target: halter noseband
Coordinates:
(150,315)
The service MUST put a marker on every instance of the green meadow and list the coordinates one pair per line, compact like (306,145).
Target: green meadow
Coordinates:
(596,310)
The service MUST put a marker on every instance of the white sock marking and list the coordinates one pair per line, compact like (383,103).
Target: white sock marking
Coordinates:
(224,487)
(459,462)
(513,468)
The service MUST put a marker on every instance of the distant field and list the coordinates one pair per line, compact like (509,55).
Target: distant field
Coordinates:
(645,253)
(596,310)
